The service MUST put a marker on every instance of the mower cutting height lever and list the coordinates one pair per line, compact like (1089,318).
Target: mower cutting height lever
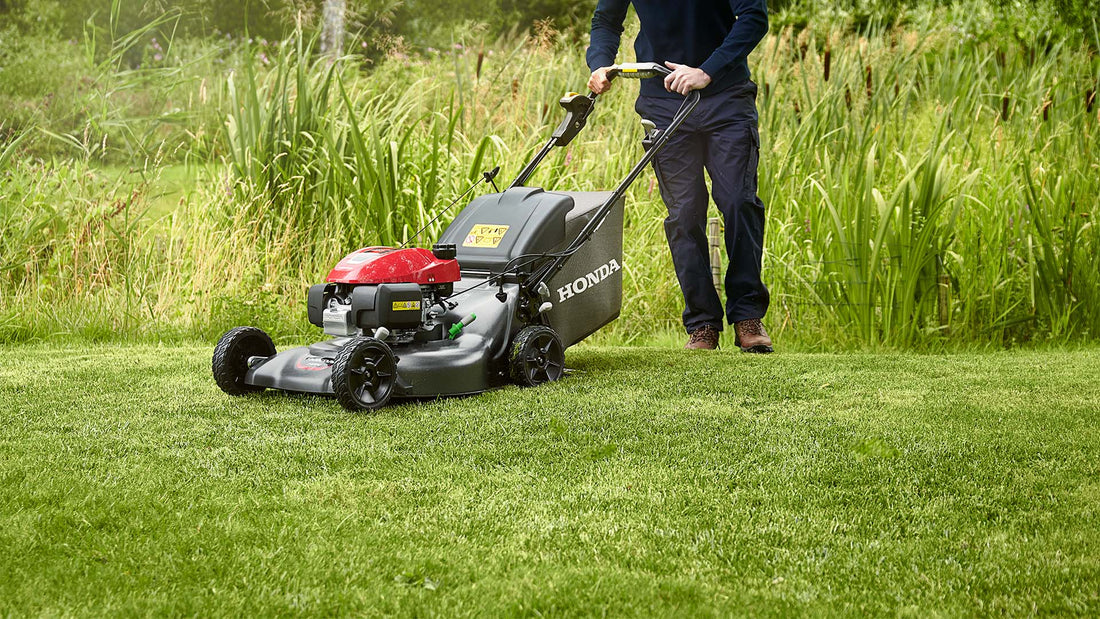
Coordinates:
(535,272)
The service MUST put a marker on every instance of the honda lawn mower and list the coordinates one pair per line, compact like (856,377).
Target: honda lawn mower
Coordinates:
(517,277)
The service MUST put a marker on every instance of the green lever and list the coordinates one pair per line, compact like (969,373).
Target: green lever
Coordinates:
(457,327)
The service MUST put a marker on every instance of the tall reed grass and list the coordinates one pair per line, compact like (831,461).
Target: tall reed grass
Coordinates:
(922,189)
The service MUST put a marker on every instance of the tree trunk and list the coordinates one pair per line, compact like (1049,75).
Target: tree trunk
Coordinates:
(332,30)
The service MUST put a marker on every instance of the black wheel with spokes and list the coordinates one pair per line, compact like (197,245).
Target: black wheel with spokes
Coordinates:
(231,355)
(537,356)
(364,374)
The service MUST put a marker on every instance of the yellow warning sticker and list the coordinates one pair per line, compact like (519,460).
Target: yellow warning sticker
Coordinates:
(400,306)
(485,235)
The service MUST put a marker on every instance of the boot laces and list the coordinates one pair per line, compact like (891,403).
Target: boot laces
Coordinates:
(752,326)
(705,333)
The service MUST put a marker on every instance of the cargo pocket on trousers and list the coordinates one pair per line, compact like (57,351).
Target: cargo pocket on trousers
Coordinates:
(751,175)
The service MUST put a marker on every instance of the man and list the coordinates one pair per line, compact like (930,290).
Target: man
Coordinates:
(705,43)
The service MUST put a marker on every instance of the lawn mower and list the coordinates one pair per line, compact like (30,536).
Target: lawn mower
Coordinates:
(516,278)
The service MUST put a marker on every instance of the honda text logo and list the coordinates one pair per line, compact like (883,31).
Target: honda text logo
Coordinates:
(581,284)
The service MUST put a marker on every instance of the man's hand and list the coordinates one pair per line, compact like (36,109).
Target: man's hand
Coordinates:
(598,82)
(684,79)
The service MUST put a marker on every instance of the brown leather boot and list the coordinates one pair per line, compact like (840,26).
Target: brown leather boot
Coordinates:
(703,338)
(750,336)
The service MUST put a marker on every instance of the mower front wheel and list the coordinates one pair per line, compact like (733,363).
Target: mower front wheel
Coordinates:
(364,374)
(537,356)
(231,355)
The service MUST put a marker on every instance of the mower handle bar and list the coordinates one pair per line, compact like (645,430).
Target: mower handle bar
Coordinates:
(578,107)
(637,70)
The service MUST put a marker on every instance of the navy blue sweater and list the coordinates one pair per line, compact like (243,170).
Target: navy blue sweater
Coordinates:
(713,35)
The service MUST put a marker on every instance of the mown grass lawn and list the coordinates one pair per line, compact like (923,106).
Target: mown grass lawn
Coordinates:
(649,482)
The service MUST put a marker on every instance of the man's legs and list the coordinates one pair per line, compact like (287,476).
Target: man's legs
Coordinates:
(679,168)
(733,153)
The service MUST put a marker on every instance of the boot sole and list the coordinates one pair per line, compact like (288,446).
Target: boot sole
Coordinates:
(760,349)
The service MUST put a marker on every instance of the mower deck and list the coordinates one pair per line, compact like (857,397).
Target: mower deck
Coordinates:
(470,363)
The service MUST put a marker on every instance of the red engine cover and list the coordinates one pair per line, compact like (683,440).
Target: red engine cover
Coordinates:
(387,265)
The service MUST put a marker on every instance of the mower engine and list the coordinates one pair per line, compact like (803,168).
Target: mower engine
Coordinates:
(392,294)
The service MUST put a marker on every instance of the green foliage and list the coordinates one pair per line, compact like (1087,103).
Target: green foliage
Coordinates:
(32,97)
(932,187)
(1030,22)
(432,21)
(199,17)
(69,234)
(93,101)
(1082,15)
(951,151)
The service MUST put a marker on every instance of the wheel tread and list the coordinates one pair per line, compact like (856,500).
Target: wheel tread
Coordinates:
(341,371)
(230,365)
(522,347)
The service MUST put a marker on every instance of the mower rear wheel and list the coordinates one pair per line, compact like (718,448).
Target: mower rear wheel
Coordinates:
(364,374)
(231,355)
(537,356)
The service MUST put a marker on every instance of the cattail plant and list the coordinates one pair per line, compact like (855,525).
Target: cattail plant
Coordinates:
(887,222)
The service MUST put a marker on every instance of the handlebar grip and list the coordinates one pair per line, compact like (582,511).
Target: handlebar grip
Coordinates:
(637,70)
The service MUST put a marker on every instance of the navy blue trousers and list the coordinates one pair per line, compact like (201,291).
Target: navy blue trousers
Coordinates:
(721,137)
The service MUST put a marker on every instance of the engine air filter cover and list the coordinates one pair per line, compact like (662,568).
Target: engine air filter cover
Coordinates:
(388,265)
